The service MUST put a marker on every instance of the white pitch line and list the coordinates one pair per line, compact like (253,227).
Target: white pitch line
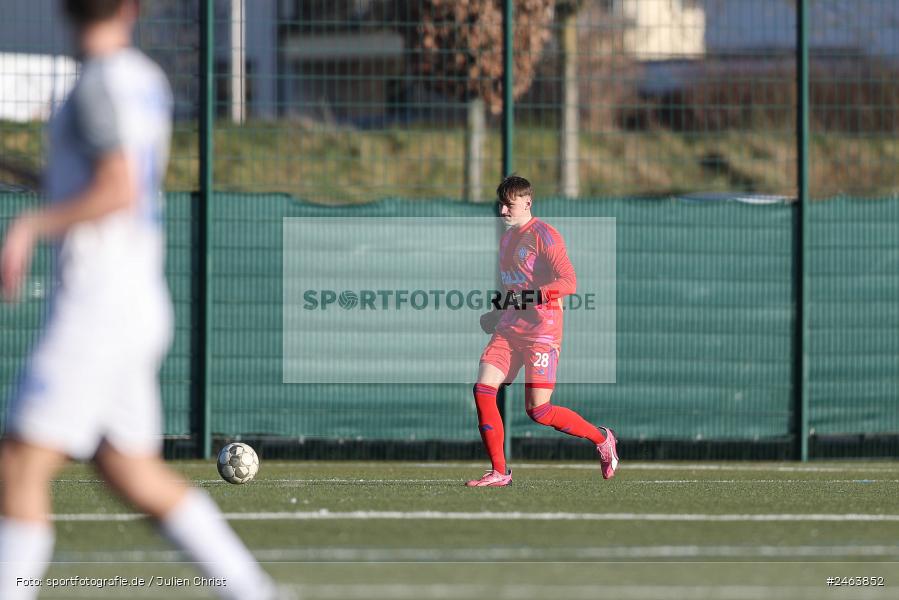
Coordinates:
(572,592)
(302,481)
(362,481)
(886,467)
(369,515)
(500,591)
(519,591)
(754,481)
(890,468)
(503,554)
(648,466)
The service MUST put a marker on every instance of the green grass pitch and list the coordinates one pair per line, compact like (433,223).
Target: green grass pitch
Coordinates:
(412,530)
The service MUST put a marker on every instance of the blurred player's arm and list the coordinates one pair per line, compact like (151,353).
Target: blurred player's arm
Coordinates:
(99,131)
(113,188)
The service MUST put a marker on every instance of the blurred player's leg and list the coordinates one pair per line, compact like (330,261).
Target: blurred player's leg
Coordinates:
(26,535)
(190,519)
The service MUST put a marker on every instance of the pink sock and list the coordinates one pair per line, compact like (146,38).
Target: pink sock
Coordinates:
(567,421)
(490,425)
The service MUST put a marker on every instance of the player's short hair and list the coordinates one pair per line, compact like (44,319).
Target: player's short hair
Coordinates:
(88,12)
(512,186)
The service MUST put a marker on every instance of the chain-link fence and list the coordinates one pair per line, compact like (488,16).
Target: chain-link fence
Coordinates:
(354,101)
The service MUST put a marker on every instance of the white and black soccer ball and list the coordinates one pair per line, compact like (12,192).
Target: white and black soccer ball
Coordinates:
(237,463)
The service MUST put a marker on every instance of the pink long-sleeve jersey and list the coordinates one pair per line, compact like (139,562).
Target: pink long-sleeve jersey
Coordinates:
(533,257)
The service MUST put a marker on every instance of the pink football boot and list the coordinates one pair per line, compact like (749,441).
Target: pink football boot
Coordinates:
(608,454)
(492,479)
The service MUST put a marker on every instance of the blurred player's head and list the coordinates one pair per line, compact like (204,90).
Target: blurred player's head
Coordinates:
(100,24)
(514,195)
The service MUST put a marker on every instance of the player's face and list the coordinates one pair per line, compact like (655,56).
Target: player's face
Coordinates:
(115,30)
(515,211)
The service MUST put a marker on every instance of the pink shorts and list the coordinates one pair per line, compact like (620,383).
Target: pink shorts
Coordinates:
(540,360)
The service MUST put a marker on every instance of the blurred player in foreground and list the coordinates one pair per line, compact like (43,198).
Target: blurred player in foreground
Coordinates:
(90,387)
(527,331)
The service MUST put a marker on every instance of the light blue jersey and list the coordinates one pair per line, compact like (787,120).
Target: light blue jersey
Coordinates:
(121,102)
(93,374)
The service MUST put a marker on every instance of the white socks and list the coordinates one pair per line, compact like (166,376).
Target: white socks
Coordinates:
(25,550)
(197,527)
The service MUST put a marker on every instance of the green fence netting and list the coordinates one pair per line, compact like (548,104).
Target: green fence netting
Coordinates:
(705,325)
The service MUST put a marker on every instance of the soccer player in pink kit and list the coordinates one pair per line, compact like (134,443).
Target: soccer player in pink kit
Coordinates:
(527,331)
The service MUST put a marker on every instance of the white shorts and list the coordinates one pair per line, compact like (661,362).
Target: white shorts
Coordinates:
(93,376)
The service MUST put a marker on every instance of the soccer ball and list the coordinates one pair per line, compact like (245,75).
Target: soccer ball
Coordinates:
(237,463)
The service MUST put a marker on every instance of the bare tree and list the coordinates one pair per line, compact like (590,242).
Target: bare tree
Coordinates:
(457,49)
